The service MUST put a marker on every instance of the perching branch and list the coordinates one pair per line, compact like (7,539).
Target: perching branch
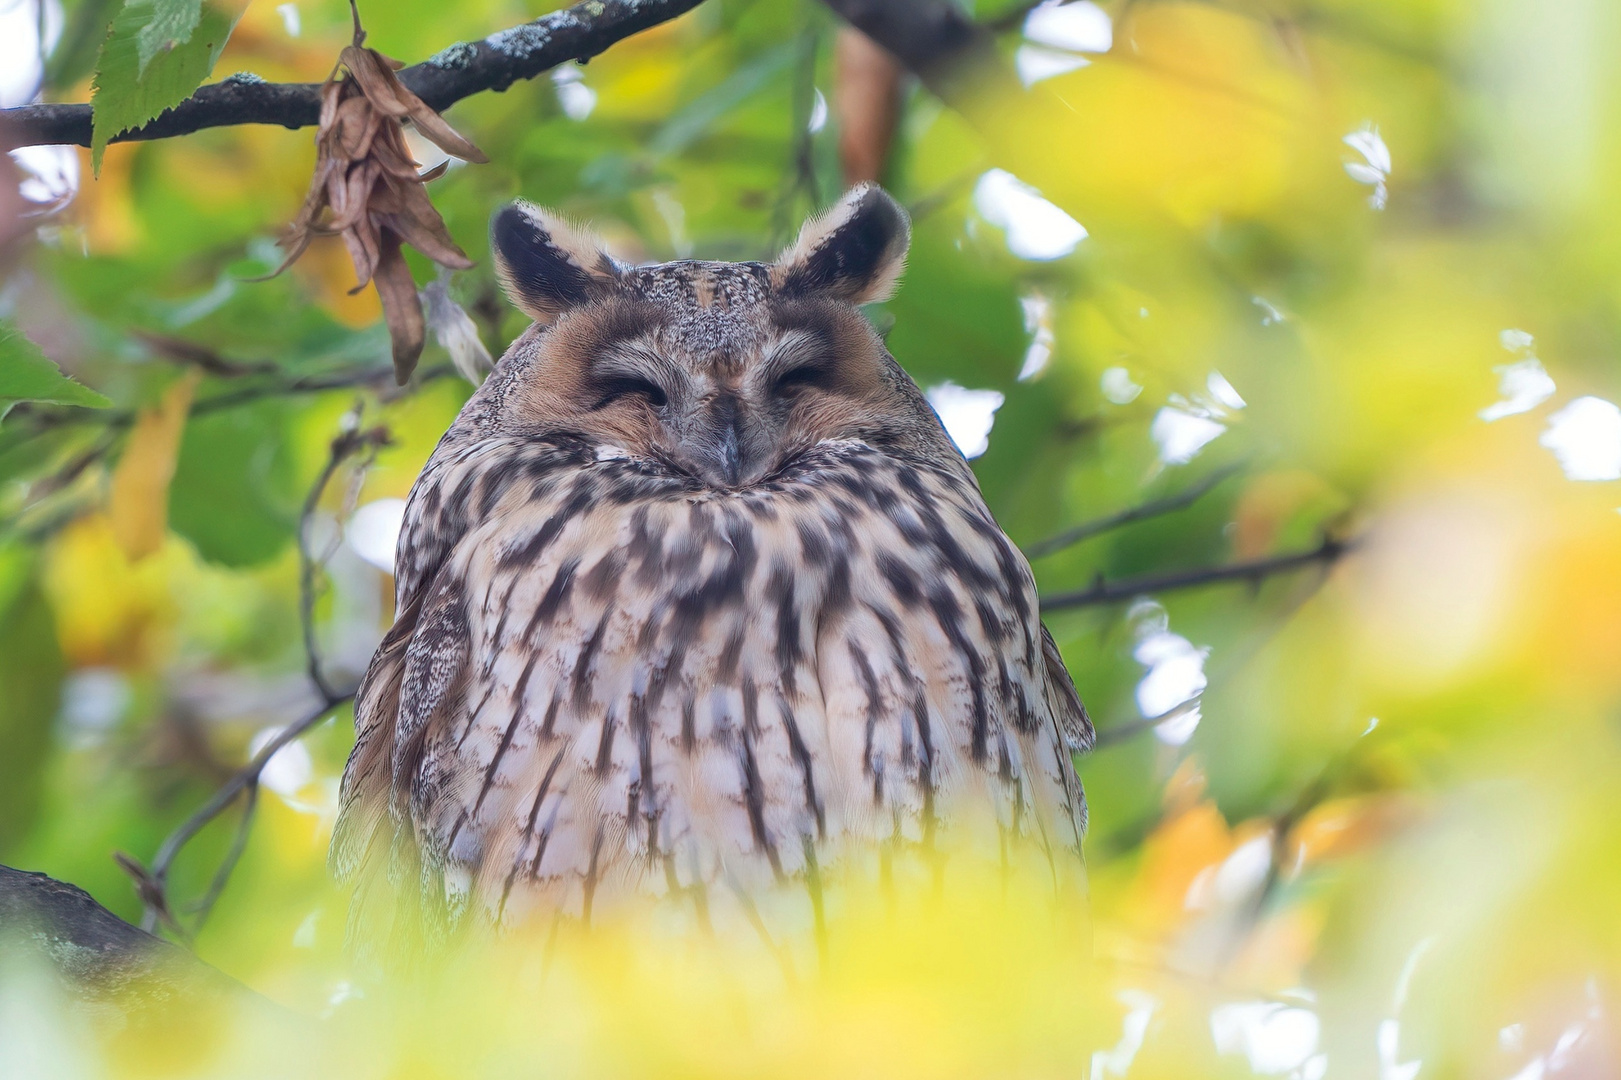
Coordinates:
(1254,571)
(462,70)
(94,950)
(1140,512)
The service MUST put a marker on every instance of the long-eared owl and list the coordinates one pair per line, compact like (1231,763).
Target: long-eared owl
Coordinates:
(697,600)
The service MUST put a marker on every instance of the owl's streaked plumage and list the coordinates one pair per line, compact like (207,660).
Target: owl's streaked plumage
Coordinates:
(697,599)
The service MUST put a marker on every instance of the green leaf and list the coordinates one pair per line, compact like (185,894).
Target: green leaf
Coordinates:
(171,26)
(26,374)
(957,315)
(695,120)
(137,79)
(231,495)
(31,670)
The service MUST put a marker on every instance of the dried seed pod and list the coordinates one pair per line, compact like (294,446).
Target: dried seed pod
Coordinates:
(367,189)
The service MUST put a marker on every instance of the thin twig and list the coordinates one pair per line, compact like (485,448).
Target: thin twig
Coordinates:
(158,875)
(239,843)
(37,418)
(182,351)
(801,174)
(345,446)
(1232,659)
(1153,508)
(48,419)
(1256,570)
(1132,728)
(152,884)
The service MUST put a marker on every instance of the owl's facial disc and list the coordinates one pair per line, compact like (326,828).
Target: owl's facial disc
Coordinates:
(725,372)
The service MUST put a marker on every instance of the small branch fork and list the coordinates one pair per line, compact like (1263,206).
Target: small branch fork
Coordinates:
(151,883)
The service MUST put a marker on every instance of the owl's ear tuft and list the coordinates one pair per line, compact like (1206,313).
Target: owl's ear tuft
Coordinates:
(855,252)
(547,265)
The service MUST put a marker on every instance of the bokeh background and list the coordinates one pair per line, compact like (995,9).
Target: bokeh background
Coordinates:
(1342,269)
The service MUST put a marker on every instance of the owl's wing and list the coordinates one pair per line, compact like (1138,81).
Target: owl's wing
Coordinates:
(421,648)
(412,688)
(1074,725)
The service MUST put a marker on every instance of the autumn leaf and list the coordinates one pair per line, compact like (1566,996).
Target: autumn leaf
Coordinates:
(139,501)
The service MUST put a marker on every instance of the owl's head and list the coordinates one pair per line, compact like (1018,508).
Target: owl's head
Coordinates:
(725,372)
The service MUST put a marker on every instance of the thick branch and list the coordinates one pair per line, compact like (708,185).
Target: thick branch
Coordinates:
(933,38)
(93,949)
(1254,571)
(462,70)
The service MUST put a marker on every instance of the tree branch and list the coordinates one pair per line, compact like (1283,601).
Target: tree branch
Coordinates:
(39,418)
(93,949)
(152,884)
(345,446)
(933,38)
(1254,571)
(1131,728)
(1140,512)
(462,70)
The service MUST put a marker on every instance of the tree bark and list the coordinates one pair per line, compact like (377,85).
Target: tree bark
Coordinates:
(95,953)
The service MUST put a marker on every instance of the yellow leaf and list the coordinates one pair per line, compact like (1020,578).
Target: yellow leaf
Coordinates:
(139,502)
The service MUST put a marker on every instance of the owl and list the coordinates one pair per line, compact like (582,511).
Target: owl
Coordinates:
(698,602)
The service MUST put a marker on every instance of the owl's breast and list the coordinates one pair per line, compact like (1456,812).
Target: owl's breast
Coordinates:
(663,687)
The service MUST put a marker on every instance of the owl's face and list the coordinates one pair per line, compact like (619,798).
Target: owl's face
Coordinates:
(724,372)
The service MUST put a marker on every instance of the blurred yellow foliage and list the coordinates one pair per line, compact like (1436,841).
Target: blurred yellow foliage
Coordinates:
(138,503)
(1387,841)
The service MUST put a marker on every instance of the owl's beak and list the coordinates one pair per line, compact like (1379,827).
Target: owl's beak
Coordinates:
(721,459)
(730,465)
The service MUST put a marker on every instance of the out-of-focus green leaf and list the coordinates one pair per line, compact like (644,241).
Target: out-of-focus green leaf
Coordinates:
(26,374)
(75,54)
(955,317)
(694,121)
(228,496)
(31,675)
(138,79)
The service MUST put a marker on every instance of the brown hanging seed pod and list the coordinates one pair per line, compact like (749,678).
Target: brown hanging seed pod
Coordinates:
(366,178)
